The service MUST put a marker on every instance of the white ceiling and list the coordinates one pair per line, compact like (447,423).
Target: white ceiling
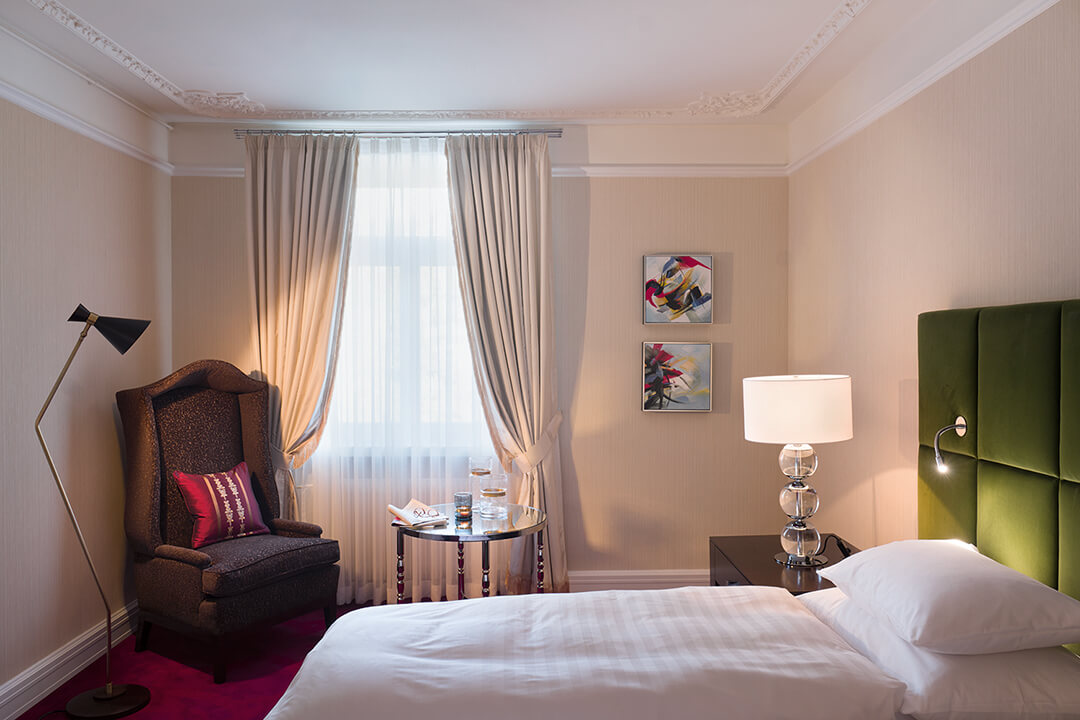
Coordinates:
(761,61)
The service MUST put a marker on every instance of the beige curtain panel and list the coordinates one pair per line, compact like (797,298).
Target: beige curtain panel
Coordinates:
(300,191)
(500,208)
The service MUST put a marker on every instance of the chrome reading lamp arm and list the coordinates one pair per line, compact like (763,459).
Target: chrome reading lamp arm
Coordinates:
(960,426)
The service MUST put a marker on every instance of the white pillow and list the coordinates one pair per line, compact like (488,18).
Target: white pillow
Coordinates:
(1041,684)
(943,595)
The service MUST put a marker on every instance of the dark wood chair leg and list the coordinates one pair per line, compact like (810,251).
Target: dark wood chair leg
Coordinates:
(142,635)
(218,648)
(330,614)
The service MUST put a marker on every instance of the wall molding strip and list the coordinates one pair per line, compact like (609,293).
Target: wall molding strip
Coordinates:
(81,75)
(589,580)
(674,170)
(207,171)
(559,171)
(1006,24)
(29,687)
(66,120)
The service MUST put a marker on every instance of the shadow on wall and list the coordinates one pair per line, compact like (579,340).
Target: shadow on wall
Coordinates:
(909,419)
(723,281)
(570,212)
(722,380)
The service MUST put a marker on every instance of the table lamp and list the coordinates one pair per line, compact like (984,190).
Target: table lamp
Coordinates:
(798,411)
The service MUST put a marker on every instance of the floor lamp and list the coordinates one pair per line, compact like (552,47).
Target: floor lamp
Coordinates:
(111,701)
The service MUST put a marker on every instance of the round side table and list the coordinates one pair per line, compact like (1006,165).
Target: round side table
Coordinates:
(521,520)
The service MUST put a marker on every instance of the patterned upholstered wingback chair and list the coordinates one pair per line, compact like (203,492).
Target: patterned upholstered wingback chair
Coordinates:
(206,418)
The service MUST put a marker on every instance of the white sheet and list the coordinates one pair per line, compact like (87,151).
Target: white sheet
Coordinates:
(739,652)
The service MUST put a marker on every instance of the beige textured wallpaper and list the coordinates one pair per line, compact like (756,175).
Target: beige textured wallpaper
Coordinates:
(967,195)
(645,490)
(211,282)
(81,223)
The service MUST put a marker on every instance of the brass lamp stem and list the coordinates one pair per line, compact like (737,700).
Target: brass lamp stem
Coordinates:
(67,503)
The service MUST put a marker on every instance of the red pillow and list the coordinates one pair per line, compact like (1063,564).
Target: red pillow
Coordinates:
(222,504)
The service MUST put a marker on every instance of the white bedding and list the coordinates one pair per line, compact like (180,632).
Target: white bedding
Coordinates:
(738,652)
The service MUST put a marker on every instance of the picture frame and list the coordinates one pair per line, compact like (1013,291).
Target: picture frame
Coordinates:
(677,288)
(676,376)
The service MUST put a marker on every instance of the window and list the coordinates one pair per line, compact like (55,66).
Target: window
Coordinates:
(405,415)
(405,377)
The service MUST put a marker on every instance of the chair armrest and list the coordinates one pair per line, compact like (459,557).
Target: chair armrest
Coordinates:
(182,554)
(294,528)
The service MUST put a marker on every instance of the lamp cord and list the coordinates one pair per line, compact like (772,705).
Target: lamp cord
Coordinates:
(840,545)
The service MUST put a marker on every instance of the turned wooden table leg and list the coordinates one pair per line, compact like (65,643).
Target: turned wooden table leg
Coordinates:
(460,570)
(487,568)
(540,561)
(400,567)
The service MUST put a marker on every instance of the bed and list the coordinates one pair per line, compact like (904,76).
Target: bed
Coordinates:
(965,622)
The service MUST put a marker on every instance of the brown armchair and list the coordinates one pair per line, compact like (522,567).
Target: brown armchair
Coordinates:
(205,418)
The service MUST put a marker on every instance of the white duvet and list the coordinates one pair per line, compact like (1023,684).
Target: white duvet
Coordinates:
(730,652)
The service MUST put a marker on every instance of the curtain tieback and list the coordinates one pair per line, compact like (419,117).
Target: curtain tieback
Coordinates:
(283,478)
(528,460)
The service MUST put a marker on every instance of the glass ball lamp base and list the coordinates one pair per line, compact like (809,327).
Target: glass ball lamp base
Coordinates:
(799,539)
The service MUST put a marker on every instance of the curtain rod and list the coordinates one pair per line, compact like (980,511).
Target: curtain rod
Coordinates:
(239,133)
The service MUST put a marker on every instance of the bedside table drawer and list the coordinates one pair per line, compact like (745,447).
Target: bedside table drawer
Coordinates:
(721,571)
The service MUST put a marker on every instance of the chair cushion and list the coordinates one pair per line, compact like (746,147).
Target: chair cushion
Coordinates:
(222,504)
(245,563)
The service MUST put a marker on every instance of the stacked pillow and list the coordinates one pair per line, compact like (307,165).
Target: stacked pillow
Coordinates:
(971,638)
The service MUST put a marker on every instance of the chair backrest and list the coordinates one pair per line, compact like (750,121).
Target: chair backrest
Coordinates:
(205,417)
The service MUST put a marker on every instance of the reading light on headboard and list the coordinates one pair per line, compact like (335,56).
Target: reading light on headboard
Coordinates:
(960,426)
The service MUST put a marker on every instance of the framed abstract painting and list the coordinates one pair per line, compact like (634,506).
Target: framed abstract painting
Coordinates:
(676,377)
(677,288)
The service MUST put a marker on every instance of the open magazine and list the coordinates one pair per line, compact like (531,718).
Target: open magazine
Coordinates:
(416,514)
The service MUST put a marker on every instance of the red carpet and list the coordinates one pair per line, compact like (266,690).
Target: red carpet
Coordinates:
(176,669)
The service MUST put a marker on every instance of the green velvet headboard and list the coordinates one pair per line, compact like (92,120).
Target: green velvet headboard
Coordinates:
(1013,484)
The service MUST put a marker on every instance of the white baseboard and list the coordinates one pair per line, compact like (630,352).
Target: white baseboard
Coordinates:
(29,687)
(586,580)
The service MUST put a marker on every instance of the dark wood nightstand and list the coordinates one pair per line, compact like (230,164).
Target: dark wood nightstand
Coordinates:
(748,560)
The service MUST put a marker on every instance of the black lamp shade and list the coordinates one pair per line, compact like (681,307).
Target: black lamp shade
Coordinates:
(120,332)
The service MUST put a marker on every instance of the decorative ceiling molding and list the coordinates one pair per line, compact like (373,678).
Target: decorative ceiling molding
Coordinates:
(199,102)
(239,105)
(742,104)
(530,115)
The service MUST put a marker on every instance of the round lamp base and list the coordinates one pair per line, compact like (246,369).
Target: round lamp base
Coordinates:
(794,561)
(124,700)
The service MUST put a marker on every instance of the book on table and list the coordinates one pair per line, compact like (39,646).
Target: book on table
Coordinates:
(416,514)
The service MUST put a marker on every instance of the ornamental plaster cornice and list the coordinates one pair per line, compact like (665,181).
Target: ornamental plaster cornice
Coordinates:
(239,106)
(199,102)
(743,104)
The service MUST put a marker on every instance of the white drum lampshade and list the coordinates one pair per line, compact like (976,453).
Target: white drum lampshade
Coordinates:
(809,409)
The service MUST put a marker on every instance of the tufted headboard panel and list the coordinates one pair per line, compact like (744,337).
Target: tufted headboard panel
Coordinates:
(1013,483)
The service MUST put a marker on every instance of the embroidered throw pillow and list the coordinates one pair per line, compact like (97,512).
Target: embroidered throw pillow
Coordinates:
(222,505)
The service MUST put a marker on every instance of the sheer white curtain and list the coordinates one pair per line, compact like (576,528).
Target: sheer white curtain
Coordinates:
(405,415)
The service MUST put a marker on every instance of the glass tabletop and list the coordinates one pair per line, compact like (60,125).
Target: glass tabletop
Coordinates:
(520,520)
